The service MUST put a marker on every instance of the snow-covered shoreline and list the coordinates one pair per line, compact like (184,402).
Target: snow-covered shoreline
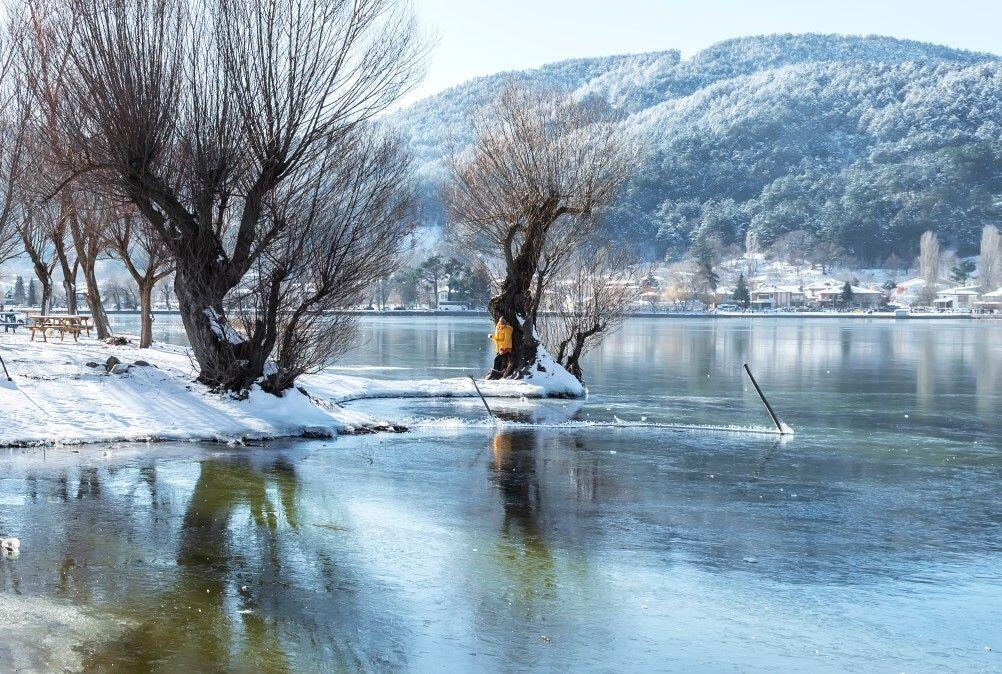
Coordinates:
(58,396)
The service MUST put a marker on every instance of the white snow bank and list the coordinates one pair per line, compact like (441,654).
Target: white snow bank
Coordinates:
(547,379)
(56,398)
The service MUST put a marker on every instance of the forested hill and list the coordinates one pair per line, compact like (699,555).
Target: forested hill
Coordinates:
(864,142)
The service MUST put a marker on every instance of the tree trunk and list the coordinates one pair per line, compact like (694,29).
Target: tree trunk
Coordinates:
(97,311)
(69,274)
(573,362)
(515,303)
(226,361)
(46,304)
(145,315)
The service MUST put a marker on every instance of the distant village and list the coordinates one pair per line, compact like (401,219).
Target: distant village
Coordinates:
(762,285)
(750,282)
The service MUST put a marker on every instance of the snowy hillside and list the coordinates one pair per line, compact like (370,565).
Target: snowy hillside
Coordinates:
(862,141)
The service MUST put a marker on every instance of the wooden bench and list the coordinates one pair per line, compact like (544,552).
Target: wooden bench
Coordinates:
(9,322)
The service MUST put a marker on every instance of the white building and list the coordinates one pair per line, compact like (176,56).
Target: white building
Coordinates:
(957,298)
(990,301)
(777,297)
(861,297)
(909,292)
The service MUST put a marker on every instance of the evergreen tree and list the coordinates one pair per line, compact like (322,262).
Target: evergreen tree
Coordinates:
(741,294)
(846,295)
(705,257)
(429,275)
(962,271)
(32,293)
(465,285)
(19,291)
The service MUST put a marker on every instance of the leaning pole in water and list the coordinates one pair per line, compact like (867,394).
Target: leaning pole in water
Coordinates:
(482,398)
(772,413)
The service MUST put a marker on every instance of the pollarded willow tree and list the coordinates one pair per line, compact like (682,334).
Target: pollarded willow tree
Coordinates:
(211,117)
(141,252)
(541,169)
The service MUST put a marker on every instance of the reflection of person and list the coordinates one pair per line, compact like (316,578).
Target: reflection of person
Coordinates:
(502,343)
(501,451)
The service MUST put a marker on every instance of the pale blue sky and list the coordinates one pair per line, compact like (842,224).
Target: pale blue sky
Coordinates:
(480,37)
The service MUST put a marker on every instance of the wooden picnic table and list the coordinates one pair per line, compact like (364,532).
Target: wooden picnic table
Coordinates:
(61,323)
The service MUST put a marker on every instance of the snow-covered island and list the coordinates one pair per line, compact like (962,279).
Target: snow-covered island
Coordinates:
(66,393)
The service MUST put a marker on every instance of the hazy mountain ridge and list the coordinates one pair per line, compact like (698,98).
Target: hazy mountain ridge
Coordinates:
(863,141)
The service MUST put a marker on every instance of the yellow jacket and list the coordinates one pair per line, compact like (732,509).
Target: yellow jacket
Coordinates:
(502,337)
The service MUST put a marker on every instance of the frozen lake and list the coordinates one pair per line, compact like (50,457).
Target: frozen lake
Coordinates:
(870,540)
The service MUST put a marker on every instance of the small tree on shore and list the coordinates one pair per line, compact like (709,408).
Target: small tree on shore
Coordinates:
(741,294)
(846,296)
(540,170)
(346,228)
(144,256)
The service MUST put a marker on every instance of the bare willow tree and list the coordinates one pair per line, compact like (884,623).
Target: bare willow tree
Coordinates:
(132,241)
(199,114)
(541,168)
(929,266)
(990,275)
(587,302)
(90,240)
(348,216)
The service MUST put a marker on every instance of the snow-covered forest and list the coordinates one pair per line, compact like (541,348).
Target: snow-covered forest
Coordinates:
(864,142)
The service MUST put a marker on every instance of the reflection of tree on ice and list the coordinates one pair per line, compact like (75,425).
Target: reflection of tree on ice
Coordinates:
(524,553)
(193,624)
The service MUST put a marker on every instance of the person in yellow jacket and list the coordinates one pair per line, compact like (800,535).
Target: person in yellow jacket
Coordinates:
(502,344)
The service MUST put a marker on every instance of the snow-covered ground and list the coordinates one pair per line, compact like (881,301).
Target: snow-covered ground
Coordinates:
(57,398)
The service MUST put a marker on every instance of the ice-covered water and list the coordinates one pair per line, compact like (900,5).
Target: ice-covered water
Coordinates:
(573,535)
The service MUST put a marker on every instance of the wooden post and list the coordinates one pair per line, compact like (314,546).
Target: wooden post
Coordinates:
(6,373)
(482,399)
(775,419)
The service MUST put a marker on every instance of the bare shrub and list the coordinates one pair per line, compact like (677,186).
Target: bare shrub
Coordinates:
(345,230)
(588,301)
